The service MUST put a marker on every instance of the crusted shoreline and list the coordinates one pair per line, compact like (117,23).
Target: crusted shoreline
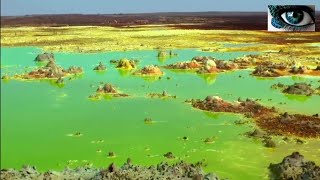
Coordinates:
(293,166)
(269,119)
(180,170)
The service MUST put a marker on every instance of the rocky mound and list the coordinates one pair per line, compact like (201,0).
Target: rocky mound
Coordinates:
(52,70)
(100,67)
(226,65)
(107,90)
(203,59)
(126,64)
(270,69)
(300,89)
(179,170)
(45,57)
(204,65)
(248,107)
(257,133)
(264,136)
(209,66)
(244,62)
(265,71)
(294,167)
(149,71)
(184,65)
(74,70)
(297,88)
(164,54)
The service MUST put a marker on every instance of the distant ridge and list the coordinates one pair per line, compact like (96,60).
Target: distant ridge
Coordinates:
(184,20)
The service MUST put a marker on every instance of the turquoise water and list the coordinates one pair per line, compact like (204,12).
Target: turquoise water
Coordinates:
(37,116)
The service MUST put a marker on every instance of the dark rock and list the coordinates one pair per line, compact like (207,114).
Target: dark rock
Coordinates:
(111,154)
(276,86)
(299,89)
(241,122)
(269,143)
(45,57)
(74,70)
(5,77)
(148,121)
(171,53)
(100,67)
(113,61)
(169,155)
(265,71)
(129,161)
(107,88)
(294,167)
(185,138)
(112,167)
(257,134)
(198,177)
(286,139)
(77,134)
(162,54)
(297,70)
(299,141)
(164,93)
(210,139)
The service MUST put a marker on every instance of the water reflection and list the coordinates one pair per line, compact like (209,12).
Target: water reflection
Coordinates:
(299,98)
(209,78)
(124,72)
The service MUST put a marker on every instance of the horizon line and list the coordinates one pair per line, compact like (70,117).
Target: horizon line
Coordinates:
(156,12)
(135,13)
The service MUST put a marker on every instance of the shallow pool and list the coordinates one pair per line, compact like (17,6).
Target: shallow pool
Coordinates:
(38,116)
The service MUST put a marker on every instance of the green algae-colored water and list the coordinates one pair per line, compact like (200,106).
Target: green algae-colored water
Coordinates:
(38,116)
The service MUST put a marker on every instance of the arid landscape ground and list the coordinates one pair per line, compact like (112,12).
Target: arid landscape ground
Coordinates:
(216,88)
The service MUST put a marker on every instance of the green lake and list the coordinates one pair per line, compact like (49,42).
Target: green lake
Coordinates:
(38,116)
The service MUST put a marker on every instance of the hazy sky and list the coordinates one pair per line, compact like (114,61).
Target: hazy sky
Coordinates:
(27,7)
